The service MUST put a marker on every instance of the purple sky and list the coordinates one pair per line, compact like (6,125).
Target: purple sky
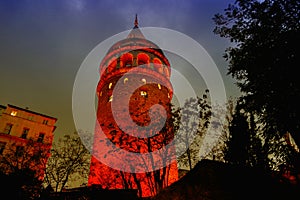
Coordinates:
(43,44)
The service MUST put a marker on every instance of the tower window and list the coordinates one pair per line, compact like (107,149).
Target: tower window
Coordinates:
(128,64)
(144,93)
(25,133)
(110,98)
(109,86)
(125,80)
(8,128)
(143,59)
(41,137)
(141,63)
(45,121)
(144,81)
(126,60)
(157,64)
(159,86)
(166,71)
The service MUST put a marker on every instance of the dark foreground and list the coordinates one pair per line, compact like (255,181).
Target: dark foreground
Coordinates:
(212,180)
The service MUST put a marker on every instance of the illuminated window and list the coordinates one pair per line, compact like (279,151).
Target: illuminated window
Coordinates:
(141,63)
(109,86)
(45,121)
(125,80)
(168,95)
(143,59)
(25,133)
(158,85)
(126,60)
(144,81)
(8,128)
(13,113)
(144,93)
(100,93)
(166,71)
(110,98)
(2,147)
(41,137)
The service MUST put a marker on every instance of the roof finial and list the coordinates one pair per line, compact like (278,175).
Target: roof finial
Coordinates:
(136,23)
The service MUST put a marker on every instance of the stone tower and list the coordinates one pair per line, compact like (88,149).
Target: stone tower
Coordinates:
(133,118)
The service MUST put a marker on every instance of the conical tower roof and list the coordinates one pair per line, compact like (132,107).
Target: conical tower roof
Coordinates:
(136,32)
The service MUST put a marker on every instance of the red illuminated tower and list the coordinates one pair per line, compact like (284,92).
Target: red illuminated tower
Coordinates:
(133,118)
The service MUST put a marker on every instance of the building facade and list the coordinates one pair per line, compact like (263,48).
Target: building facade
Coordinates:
(23,135)
(133,115)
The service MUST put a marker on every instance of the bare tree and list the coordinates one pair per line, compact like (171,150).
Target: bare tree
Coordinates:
(191,122)
(154,179)
(69,161)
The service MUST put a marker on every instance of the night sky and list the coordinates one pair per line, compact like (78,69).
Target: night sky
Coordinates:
(43,44)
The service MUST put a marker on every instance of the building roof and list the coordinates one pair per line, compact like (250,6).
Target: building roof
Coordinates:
(136,32)
(1,106)
(32,112)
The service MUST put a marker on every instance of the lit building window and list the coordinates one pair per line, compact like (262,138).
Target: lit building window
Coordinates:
(125,80)
(8,128)
(100,93)
(25,133)
(13,113)
(110,98)
(109,86)
(158,85)
(144,93)
(168,95)
(144,81)
(41,137)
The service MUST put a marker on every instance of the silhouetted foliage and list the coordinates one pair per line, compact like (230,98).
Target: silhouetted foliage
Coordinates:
(190,124)
(264,59)
(154,178)
(238,145)
(22,184)
(69,161)
(22,170)
(214,180)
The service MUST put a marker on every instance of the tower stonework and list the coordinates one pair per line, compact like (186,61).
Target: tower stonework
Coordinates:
(134,115)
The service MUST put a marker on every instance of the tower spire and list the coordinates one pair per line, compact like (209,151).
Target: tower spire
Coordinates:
(136,23)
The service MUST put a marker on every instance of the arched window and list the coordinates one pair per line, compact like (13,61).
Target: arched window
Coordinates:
(143,59)
(158,65)
(112,64)
(126,60)
(166,71)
